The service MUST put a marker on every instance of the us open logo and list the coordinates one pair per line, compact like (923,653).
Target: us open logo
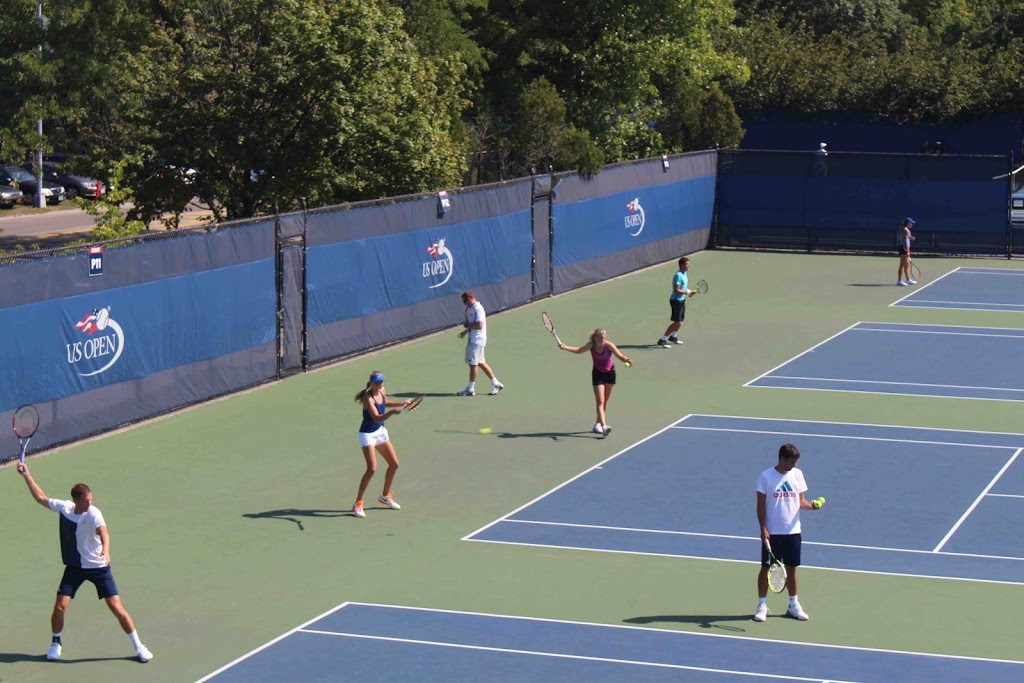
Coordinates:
(440,265)
(101,346)
(635,219)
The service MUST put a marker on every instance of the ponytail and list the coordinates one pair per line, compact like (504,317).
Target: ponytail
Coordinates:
(362,394)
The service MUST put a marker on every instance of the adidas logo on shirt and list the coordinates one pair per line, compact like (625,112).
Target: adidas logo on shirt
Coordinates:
(785,491)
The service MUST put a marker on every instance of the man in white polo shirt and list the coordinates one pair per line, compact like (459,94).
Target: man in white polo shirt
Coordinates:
(476,328)
(85,549)
(780,498)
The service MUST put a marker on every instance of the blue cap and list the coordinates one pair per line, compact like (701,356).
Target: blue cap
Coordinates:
(910,220)
(376,377)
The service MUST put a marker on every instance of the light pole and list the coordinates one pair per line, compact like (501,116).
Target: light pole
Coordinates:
(40,199)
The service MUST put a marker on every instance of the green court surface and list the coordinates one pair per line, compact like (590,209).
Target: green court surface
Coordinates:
(230,524)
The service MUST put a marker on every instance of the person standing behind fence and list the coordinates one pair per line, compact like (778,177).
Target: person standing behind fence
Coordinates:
(476,329)
(677,304)
(374,438)
(903,240)
(821,160)
(85,550)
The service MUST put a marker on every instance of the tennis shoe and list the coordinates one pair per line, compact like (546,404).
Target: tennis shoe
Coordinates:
(495,388)
(53,654)
(912,282)
(598,429)
(675,340)
(607,430)
(466,392)
(389,501)
(901,283)
(797,612)
(761,613)
(143,654)
(357,510)
(663,343)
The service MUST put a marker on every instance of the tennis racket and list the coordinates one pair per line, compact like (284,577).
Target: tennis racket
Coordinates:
(776,571)
(25,423)
(702,287)
(915,272)
(549,326)
(418,399)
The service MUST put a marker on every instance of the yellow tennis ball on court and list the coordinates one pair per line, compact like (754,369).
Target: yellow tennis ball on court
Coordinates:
(485,430)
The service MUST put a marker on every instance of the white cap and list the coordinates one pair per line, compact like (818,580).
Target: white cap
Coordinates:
(822,145)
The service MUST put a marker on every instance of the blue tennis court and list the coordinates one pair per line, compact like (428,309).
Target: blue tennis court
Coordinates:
(948,503)
(366,642)
(913,360)
(976,289)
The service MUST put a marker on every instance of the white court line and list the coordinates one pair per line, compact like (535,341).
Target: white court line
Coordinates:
(823,544)
(966,303)
(951,327)
(948,334)
(969,270)
(977,500)
(921,289)
(559,655)
(899,384)
(887,393)
(913,304)
(1004,495)
(855,424)
(802,353)
(469,537)
(267,644)
(840,436)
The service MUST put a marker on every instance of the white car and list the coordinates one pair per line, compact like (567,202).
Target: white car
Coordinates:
(1017,208)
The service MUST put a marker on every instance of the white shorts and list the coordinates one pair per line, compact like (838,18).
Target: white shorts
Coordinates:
(475,354)
(373,438)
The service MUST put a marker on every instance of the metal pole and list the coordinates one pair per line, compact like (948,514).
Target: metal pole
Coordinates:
(40,199)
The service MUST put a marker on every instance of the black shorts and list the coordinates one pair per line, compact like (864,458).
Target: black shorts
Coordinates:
(597,377)
(786,547)
(101,577)
(902,250)
(678,310)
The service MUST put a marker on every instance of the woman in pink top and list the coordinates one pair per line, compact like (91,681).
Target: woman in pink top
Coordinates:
(603,374)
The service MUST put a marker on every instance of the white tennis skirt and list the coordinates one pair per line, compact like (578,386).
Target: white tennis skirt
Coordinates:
(374,438)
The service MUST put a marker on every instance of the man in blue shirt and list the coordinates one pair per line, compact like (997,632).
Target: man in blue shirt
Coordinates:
(677,302)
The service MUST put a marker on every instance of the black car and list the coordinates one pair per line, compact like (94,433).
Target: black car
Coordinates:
(26,182)
(74,185)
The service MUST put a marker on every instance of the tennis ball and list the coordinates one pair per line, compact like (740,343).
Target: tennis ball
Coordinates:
(485,430)
(628,364)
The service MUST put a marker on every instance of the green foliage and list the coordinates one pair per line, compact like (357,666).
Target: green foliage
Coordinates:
(111,220)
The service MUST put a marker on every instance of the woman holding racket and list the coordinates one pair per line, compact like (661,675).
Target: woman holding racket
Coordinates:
(603,374)
(903,240)
(780,498)
(374,438)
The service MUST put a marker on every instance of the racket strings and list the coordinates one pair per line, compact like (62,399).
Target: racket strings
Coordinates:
(776,577)
(546,319)
(26,421)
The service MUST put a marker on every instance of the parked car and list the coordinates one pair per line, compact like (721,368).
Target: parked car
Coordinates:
(9,196)
(18,177)
(74,185)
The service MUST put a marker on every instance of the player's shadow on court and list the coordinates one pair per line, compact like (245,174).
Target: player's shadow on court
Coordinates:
(14,657)
(293,515)
(871,284)
(413,394)
(703,620)
(554,436)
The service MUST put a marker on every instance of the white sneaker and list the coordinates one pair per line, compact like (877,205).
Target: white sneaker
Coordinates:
(495,388)
(663,343)
(389,501)
(911,282)
(761,613)
(675,340)
(53,654)
(466,392)
(597,428)
(901,283)
(143,654)
(607,430)
(357,510)
(797,612)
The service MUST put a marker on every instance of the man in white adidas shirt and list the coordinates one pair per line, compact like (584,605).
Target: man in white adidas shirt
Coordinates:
(85,549)
(780,497)
(476,328)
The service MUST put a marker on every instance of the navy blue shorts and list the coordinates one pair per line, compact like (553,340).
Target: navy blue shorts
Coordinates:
(678,310)
(902,250)
(786,547)
(101,577)
(597,377)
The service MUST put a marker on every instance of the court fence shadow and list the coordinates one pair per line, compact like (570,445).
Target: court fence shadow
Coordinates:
(703,620)
(293,515)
